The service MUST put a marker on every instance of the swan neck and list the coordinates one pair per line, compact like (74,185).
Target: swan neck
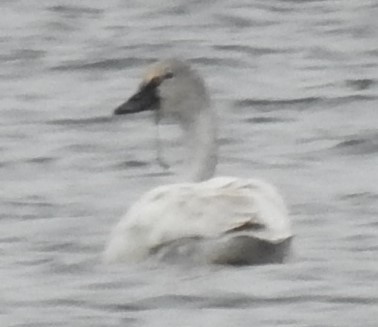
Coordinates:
(200,138)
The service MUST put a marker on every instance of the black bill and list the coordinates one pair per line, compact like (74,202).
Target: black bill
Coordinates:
(147,98)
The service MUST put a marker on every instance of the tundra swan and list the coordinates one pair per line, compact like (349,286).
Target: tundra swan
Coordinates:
(223,220)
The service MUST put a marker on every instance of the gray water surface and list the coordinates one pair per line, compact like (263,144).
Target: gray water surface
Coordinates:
(295,84)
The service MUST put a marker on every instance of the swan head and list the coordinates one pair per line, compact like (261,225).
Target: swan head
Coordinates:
(172,88)
(169,87)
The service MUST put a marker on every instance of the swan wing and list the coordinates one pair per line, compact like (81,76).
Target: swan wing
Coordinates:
(217,207)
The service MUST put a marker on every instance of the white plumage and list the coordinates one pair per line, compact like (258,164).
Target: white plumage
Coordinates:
(221,220)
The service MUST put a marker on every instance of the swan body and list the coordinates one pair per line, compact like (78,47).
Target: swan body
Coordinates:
(223,220)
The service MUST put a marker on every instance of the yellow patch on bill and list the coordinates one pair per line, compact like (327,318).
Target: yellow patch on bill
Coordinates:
(154,72)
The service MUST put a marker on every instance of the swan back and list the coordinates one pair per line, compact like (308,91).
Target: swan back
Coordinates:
(216,211)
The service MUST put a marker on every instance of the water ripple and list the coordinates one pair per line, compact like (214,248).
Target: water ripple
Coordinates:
(81,121)
(360,84)
(302,101)
(102,65)
(252,50)
(358,145)
(75,10)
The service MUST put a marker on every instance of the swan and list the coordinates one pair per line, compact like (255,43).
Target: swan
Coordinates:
(222,220)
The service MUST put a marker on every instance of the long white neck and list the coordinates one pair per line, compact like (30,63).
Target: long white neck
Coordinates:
(200,136)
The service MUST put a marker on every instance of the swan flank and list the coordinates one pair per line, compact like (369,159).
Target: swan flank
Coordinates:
(222,220)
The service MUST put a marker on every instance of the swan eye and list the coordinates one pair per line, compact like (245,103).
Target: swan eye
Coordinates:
(168,75)
(154,82)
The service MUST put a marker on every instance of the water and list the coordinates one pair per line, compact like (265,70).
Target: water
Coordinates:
(296,86)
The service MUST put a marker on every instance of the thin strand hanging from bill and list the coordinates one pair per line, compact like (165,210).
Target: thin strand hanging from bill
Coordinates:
(159,145)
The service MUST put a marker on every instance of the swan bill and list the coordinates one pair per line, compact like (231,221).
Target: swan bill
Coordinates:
(145,99)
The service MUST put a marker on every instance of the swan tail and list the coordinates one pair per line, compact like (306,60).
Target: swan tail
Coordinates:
(250,250)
